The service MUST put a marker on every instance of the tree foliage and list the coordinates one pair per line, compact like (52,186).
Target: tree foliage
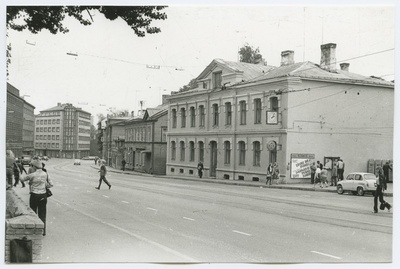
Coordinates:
(37,18)
(191,85)
(248,54)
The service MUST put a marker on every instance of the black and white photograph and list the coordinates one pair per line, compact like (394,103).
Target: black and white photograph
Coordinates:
(225,134)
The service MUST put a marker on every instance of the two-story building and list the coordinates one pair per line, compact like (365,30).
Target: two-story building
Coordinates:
(245,116)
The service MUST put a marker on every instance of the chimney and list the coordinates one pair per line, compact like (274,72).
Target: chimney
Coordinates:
(328,56)
(287,57)
(58,104)
(344,66)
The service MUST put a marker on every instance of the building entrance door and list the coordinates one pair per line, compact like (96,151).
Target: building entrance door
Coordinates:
(213,159)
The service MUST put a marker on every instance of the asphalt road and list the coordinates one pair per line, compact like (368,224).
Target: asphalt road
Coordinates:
(161,220)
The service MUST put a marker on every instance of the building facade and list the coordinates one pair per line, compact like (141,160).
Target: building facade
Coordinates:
(19,123)
(63,131)
(145,141)
(244,117)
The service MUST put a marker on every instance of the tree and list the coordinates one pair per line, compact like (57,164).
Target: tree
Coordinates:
(191,85)
(250,55)
(37,18)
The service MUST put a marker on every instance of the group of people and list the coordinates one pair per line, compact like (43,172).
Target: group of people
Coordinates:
(37,178)
(319,173)
(272,173)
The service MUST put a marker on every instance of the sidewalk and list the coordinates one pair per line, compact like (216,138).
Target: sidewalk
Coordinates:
(259,184)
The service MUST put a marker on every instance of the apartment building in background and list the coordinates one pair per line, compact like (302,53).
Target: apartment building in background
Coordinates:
(63,131)
(19,123)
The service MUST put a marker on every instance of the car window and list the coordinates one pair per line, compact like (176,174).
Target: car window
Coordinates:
(358,177)
(350,177)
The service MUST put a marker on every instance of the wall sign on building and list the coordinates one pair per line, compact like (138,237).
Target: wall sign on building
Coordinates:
(300,165)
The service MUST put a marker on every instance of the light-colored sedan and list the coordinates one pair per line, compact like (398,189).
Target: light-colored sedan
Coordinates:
(77,162)
(358,183)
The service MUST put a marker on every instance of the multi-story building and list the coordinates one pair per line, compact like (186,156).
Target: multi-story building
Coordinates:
(245,116)
(63,131)
(145,141)
(19,123)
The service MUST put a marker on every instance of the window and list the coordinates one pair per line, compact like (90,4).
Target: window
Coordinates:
(53,129)
(204,85)
(191,149)
(217,80)
(242,153)
(58,129)
(227,146)
(58,121)
(45,122)
(41,122)
(173,116)
(274,103)
(53,121)
(53,137)
(257,111)
(37,122)
(256,153)
(201,151)
(37,129)
(215,115)
(202,116)
(182,149)
(57,137)
(192,117)
(183,118)
(242,106)
(41,129)
(37,137)
(228,113)
(173,150)
(44,129)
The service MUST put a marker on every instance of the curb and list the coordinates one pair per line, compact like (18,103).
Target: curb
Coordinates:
(236,183)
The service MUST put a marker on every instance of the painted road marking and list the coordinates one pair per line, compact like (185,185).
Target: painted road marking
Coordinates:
(125,202)
(328,255)
(188,218)
(106,196)
(241,232)
(149,208)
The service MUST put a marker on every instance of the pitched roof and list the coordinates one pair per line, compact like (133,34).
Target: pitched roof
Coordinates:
(314,71)
(249,70)
(61,107)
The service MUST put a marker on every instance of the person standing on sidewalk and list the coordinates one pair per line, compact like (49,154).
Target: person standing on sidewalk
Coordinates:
(379,191)
(38,181)
(313,168)
(269,174)
(103,172)
(200,168)
(123,164)
(386,168)
(324,177)
(18,169)
(275,173)
(340,169)
(334,175)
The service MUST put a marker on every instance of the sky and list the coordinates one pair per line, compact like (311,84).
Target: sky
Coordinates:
(112,69)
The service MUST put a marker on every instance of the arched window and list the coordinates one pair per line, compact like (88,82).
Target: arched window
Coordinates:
(215,115)
(182,149)
(201,151)
(242,106)
(256,153)
(242,153)
(192,117)
(173,150)
(228,113)
(202,116)
(191,151)
(227,157)
(183,117)
(257,110)
(173,117)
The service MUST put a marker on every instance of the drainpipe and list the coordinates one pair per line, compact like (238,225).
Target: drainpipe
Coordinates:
(152,147)
(234,134)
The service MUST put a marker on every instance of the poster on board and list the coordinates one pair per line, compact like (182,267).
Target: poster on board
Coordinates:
(300,165)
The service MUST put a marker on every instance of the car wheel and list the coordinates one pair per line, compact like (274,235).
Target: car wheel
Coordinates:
(360,191)
(340,189)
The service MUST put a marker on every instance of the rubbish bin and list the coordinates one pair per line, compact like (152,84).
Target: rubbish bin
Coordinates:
(21,250)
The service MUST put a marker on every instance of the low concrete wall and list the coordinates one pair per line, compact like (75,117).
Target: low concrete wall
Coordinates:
(22,223)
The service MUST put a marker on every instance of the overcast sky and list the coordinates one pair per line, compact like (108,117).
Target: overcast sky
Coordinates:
(111,69)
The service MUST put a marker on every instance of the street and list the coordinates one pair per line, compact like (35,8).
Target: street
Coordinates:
(156,219)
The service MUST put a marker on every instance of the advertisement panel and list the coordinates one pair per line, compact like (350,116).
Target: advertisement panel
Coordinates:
(300,165)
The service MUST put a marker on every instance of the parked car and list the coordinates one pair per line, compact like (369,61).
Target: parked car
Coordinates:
(77,162)
(358,183)
(45,158)
(92,158)
(26,159)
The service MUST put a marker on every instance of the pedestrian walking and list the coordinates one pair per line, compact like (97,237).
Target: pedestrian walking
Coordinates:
(313,168)
(386,168)
(379,191)
(123,164)
(95,161)
(38,181)
(334,174)
(275,173)
(200,168)
(103,172)
(10,159)
(269,173)
(18,169)
(324,177)
(317,178)
(340,166)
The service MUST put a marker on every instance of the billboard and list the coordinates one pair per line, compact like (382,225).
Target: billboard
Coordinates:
(300,165)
